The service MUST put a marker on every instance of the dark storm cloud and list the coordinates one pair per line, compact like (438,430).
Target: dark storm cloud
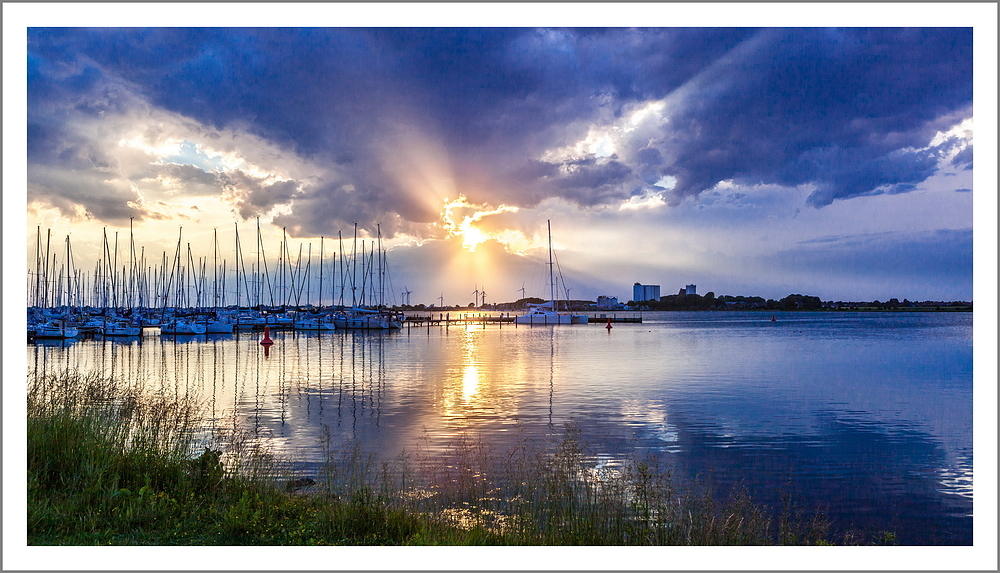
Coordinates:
(830,107)
(87,194)
(253,196)
(850,111)
(591,183)
(843,173)
(194,181)
(327,208)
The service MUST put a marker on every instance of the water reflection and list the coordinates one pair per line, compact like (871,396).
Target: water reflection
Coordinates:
(882,431)
(470,382)
(461,399)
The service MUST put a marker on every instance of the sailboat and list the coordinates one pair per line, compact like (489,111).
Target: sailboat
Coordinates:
(357,317)
(546,313)
(219,324)
(56,329)
(182,326)
(121,327)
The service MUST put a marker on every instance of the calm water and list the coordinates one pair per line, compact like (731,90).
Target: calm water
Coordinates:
(868,416)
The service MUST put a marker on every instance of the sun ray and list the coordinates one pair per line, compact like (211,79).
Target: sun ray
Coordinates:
(465,229)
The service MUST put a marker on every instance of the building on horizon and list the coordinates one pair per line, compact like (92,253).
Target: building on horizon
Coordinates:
(691,289)
(641,292)
(607,301)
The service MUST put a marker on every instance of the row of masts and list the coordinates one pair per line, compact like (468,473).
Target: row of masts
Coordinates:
(131,280)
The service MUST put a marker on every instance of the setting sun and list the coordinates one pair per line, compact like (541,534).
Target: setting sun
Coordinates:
(471,235)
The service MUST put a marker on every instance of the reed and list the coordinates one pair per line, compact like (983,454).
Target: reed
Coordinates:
(533,495)
(111,463)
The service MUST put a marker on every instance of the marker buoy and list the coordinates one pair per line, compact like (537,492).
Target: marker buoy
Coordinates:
(773,319)
(609,327)
(266,341)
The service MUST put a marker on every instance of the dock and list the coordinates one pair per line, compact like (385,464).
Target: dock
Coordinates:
(446,319)
(603,319)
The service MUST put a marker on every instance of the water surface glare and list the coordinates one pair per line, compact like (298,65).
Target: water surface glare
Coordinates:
(866,415)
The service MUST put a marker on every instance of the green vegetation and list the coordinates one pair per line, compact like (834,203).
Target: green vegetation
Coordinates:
(110,464)
(683,301)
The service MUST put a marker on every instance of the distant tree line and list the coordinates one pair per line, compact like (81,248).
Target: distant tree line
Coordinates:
(709,301)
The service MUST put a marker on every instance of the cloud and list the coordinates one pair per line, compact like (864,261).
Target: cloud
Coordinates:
(843,174)
(85,195)
(384,124)
(254,196)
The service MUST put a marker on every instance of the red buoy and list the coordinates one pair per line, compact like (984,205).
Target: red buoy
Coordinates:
(773,319)
(267,337)
(609,327)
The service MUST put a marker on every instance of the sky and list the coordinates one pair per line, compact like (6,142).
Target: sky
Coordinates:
(833,162)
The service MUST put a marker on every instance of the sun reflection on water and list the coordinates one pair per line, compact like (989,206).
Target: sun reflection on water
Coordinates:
(470,382)
(464,390)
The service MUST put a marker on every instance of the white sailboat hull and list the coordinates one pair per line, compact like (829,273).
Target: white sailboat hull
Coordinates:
(218,327)
(56,331)
(182,327)
(314,324)
(546,314)
(544,317)
(122,329)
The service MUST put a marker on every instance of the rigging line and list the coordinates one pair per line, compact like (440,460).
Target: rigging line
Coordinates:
(267,275)
(561,278)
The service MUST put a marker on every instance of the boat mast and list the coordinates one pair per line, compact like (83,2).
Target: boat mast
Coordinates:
(236,263)
(48,242)
(104,271)
(170,280)
(130,289)
(143,279)
(354,267)
(552,284)
(381,270)
(38,266)
(115,282)
(267,275)
(241,266)
(364,272)
(281,270)
(320,271)
(290,283)
(215,268)
(343,279)
(69,299)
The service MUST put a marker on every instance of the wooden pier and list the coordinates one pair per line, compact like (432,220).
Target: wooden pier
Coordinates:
(446,319)
(603,319)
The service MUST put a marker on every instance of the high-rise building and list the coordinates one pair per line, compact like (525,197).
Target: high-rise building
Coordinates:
(641,292)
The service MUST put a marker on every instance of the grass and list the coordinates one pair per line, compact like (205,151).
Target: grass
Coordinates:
(111,464)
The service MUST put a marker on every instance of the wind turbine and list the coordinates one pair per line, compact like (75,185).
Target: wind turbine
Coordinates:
(406,296)
(475,293)
(483,293)
(441,299)
(522,290)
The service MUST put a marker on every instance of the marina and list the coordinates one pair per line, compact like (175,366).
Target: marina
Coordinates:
(104,322)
